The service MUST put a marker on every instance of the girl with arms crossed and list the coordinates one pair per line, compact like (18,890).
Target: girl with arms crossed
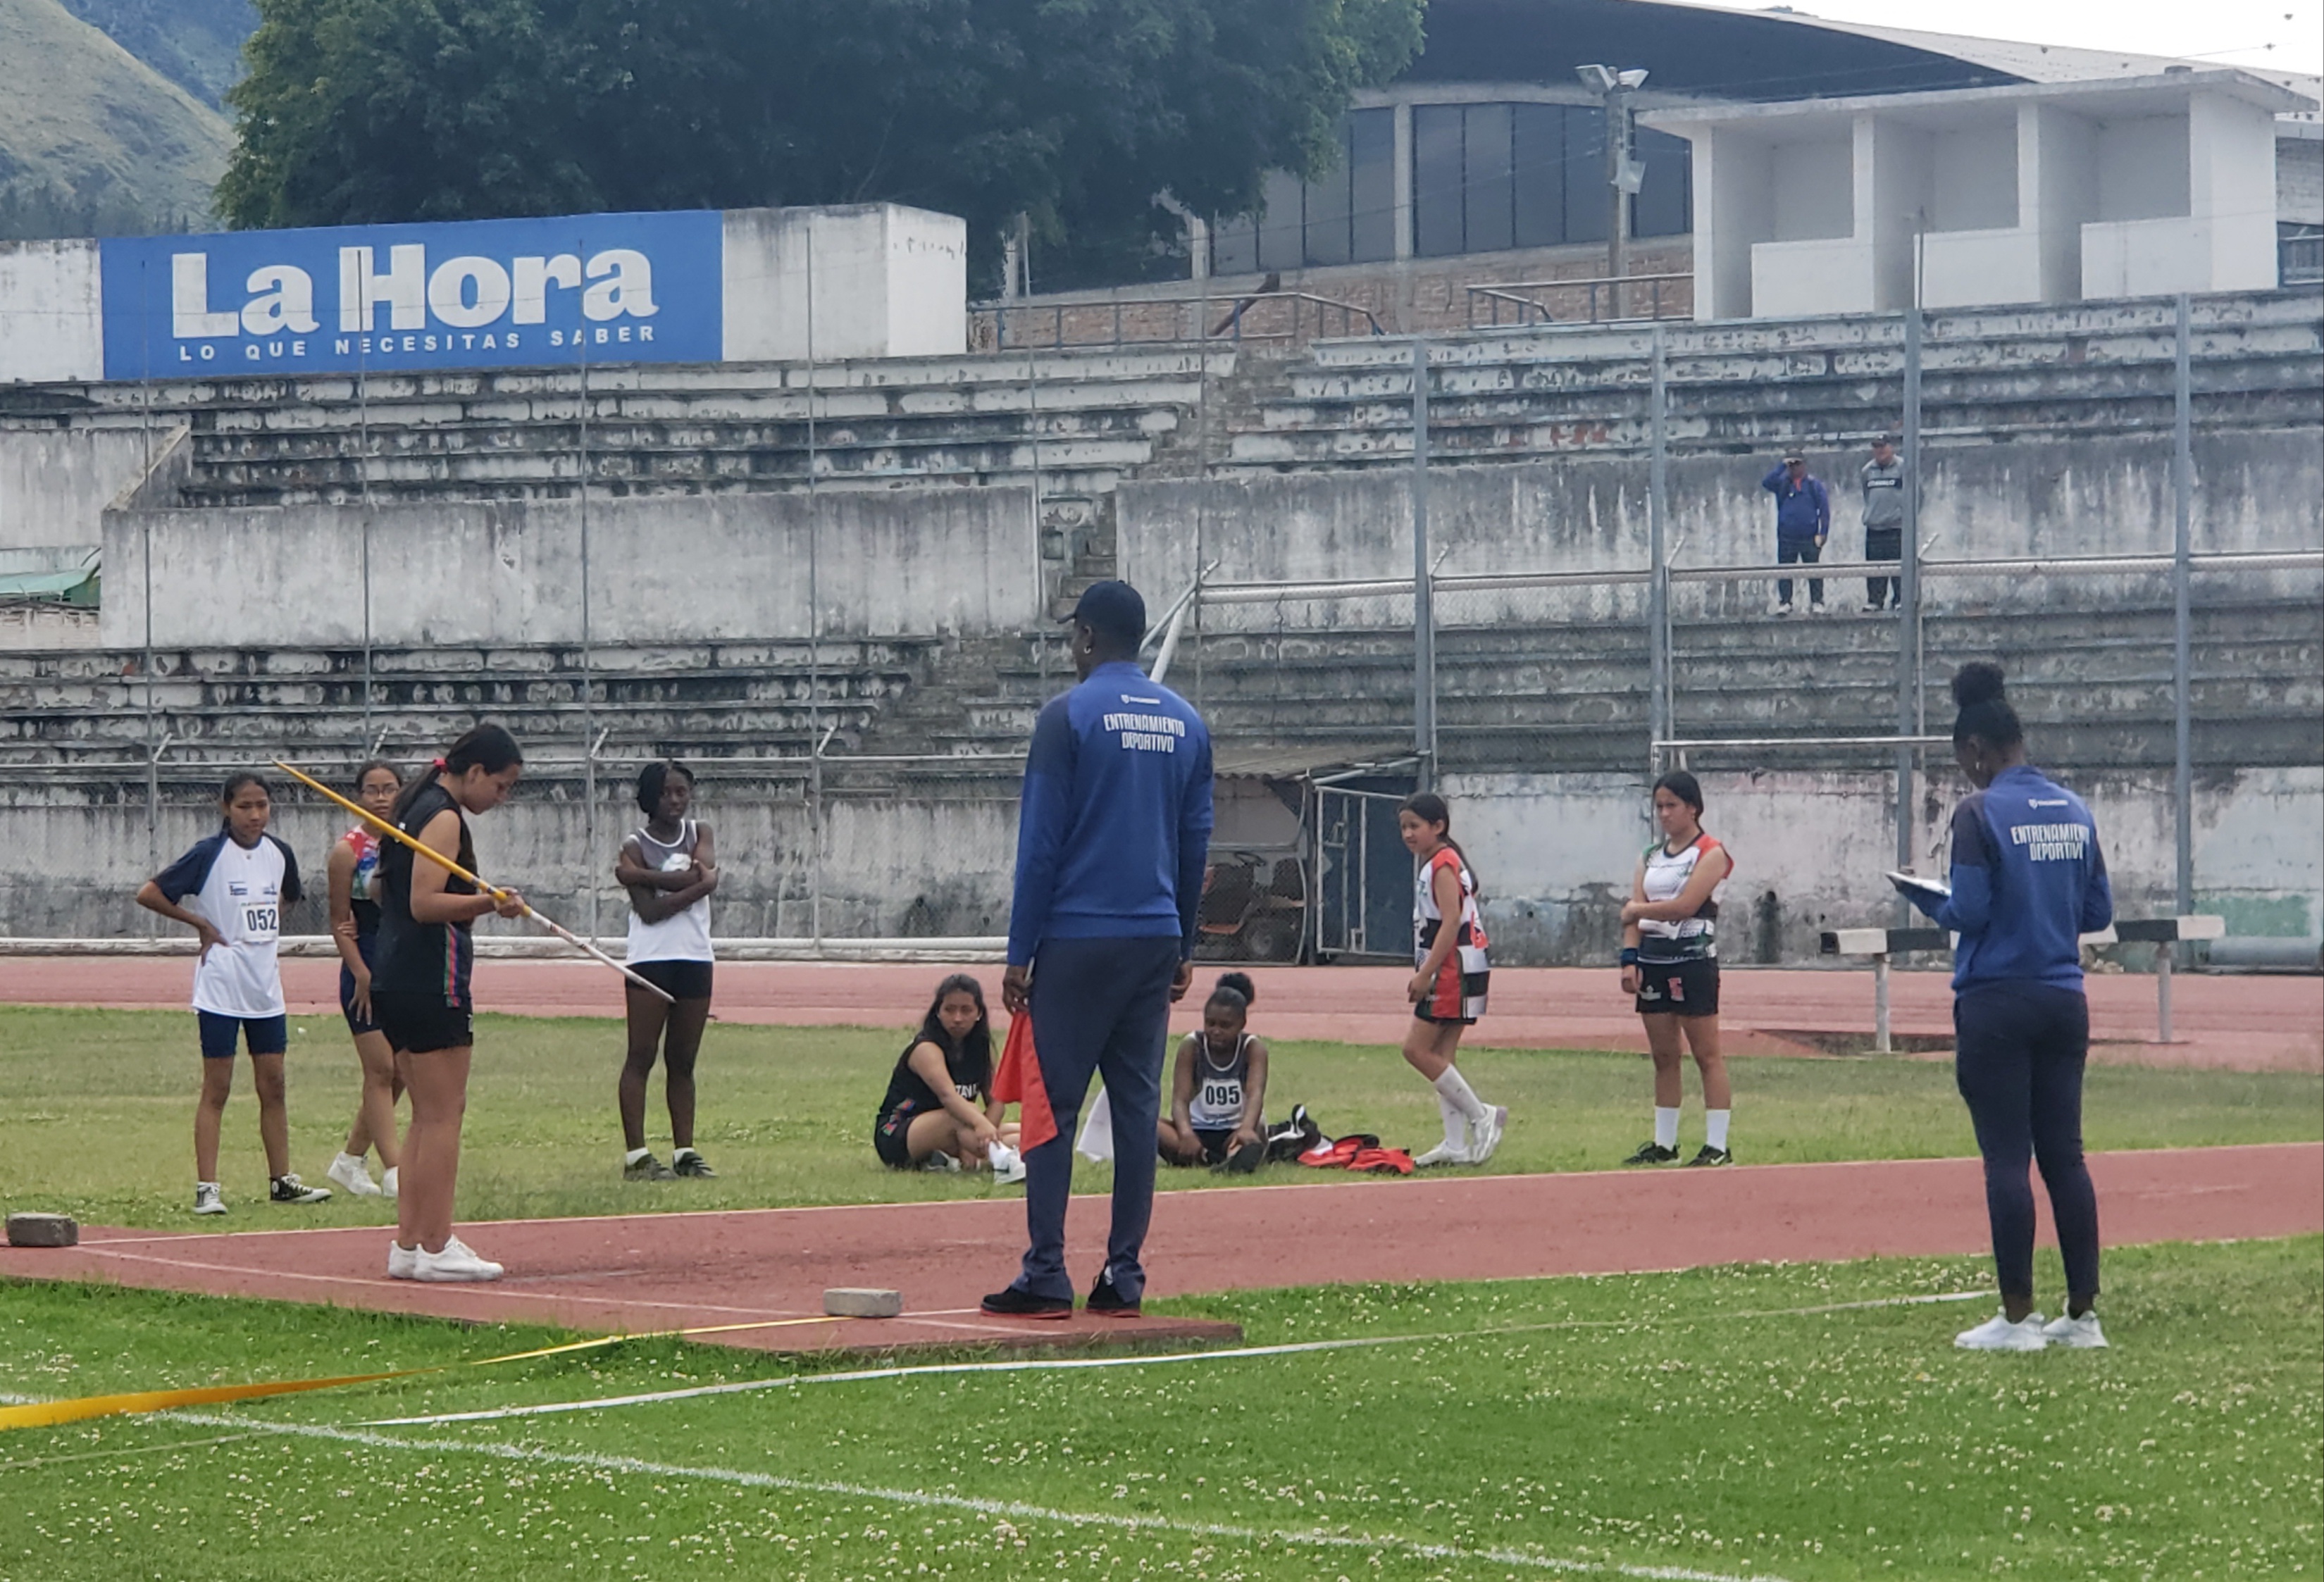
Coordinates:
(1670,964)
(1218,1089)
(1448,991)
(231,890)
(421,993)
(352,868)
(667,865)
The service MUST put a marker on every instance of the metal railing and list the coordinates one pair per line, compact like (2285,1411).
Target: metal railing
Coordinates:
(1511,297)
(1118,323)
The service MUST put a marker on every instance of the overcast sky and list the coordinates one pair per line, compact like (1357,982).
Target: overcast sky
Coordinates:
(2232,33)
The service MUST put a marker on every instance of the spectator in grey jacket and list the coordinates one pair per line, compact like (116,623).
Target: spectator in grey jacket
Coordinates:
(1884,523)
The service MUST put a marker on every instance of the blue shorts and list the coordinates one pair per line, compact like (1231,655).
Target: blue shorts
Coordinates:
(264,1034)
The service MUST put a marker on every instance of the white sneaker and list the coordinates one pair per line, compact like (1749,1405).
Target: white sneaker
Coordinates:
(402,1262)
(456,1263)
(1442,1154)
(1485,1136)
(1008,1164)
(1777,607)
(1999,1334)
(387,1183)
(349,1171)
(2081,1334)
(207,1199)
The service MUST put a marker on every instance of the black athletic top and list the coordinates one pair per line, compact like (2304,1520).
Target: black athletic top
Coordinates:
(431,959)
(908,1095)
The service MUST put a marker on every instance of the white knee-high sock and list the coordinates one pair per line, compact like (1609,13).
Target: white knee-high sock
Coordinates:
(1666,1127)
(1452,1089)
(1717,1127)
(1456,1127)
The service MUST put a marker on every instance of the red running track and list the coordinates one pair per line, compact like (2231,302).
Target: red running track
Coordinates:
(2238,1023)
(644,1272)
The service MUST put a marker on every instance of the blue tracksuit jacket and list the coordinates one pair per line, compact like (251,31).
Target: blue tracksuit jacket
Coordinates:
(1804,513)
(2028,881)
(1115,825)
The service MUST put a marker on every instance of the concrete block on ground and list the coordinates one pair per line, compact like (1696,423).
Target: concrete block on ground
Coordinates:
(44,1230)
(848,1301)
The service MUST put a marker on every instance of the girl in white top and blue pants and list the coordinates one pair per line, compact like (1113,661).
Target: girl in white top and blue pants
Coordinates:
(668,868)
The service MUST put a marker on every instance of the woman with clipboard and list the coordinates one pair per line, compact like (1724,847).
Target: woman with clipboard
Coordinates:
(2028,880)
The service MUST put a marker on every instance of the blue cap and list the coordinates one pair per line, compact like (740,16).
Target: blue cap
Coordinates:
(1114,611)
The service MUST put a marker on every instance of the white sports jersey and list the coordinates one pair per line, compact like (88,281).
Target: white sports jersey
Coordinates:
(243,892)
(1217,1105)
(685,937)
(1668,873)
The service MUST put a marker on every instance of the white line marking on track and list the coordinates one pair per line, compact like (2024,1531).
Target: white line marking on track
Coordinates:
(1163,1359)
(1009,1509)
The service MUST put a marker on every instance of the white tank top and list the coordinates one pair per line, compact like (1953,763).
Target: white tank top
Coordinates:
(1668,873)
(685,937)
(1217,1105)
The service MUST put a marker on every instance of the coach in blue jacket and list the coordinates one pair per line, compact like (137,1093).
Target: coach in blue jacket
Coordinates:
(2028,880)
(1112,833)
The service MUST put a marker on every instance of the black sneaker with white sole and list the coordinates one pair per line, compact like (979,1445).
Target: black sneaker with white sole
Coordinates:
(648,1169)
(1710,1155)
(289,1189)
(1652,1154)
(1107,1302)
(1013,1303)
(693,1166)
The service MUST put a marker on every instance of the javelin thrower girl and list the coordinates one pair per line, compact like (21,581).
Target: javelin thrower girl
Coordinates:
(1448,991)
(351,868)
(421,992)
(667,867)
(1669,963)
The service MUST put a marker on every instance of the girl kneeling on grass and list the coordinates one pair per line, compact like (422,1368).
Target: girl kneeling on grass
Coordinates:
(1448,991)
(421,991)
(1218,1091)
(238,881)
(930,1119)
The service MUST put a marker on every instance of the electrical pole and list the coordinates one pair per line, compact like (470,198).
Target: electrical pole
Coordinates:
(1624,174)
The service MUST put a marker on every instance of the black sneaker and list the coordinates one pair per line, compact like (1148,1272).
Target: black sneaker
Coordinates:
(693,1165)
(1013,1303)
(648,1169)
(1652,1154)
(1107,1302)
(1245,1159)
(289,1189)
(1710,1155)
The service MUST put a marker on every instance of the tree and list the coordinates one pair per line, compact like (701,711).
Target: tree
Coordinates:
(1073,112)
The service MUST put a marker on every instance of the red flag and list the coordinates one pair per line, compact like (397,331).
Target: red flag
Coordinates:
(1018,1082)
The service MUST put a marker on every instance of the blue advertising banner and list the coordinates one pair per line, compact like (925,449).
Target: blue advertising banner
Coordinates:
(629,288)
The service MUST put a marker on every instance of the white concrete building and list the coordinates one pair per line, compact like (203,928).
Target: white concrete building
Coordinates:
(2039,192)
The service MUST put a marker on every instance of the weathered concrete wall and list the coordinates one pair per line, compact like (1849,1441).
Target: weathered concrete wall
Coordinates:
(664,568)
(55,483)
(2085,496)
(1556,853)
(48,311)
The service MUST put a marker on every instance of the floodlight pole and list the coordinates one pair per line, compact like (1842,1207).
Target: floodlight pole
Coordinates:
(1614,86)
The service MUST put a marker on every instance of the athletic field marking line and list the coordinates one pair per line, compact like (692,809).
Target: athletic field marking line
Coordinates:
(1005,1509)
(1436,1182)
(1076,1364)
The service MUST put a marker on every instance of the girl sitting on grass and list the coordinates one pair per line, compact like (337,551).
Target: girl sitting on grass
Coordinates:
(1218,1091)
(930,1119)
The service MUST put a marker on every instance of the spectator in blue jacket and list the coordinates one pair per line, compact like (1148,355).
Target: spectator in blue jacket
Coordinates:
(1112,833)
(2028,880)
(1802,523)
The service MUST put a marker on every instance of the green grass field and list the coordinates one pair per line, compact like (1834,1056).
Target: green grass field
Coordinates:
(101,1105)
(1684,1425)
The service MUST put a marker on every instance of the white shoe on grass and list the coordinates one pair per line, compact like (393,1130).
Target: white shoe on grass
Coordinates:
(207,1199)
(1008,1164)
(349,1170)
(1442,1154)
(387,1183)
(1485,1133)
(2081,1334)
(457,1263)
(402,1262)
(1999,1334)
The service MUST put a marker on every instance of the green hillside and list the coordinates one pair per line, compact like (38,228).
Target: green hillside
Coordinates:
(92,140)
(195,44)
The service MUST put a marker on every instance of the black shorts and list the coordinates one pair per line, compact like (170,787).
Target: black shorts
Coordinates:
(421,1024)
(263,1034)
(890,1139)
(357,1023)
(677,979)
(1679,988)
(1216,1144)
